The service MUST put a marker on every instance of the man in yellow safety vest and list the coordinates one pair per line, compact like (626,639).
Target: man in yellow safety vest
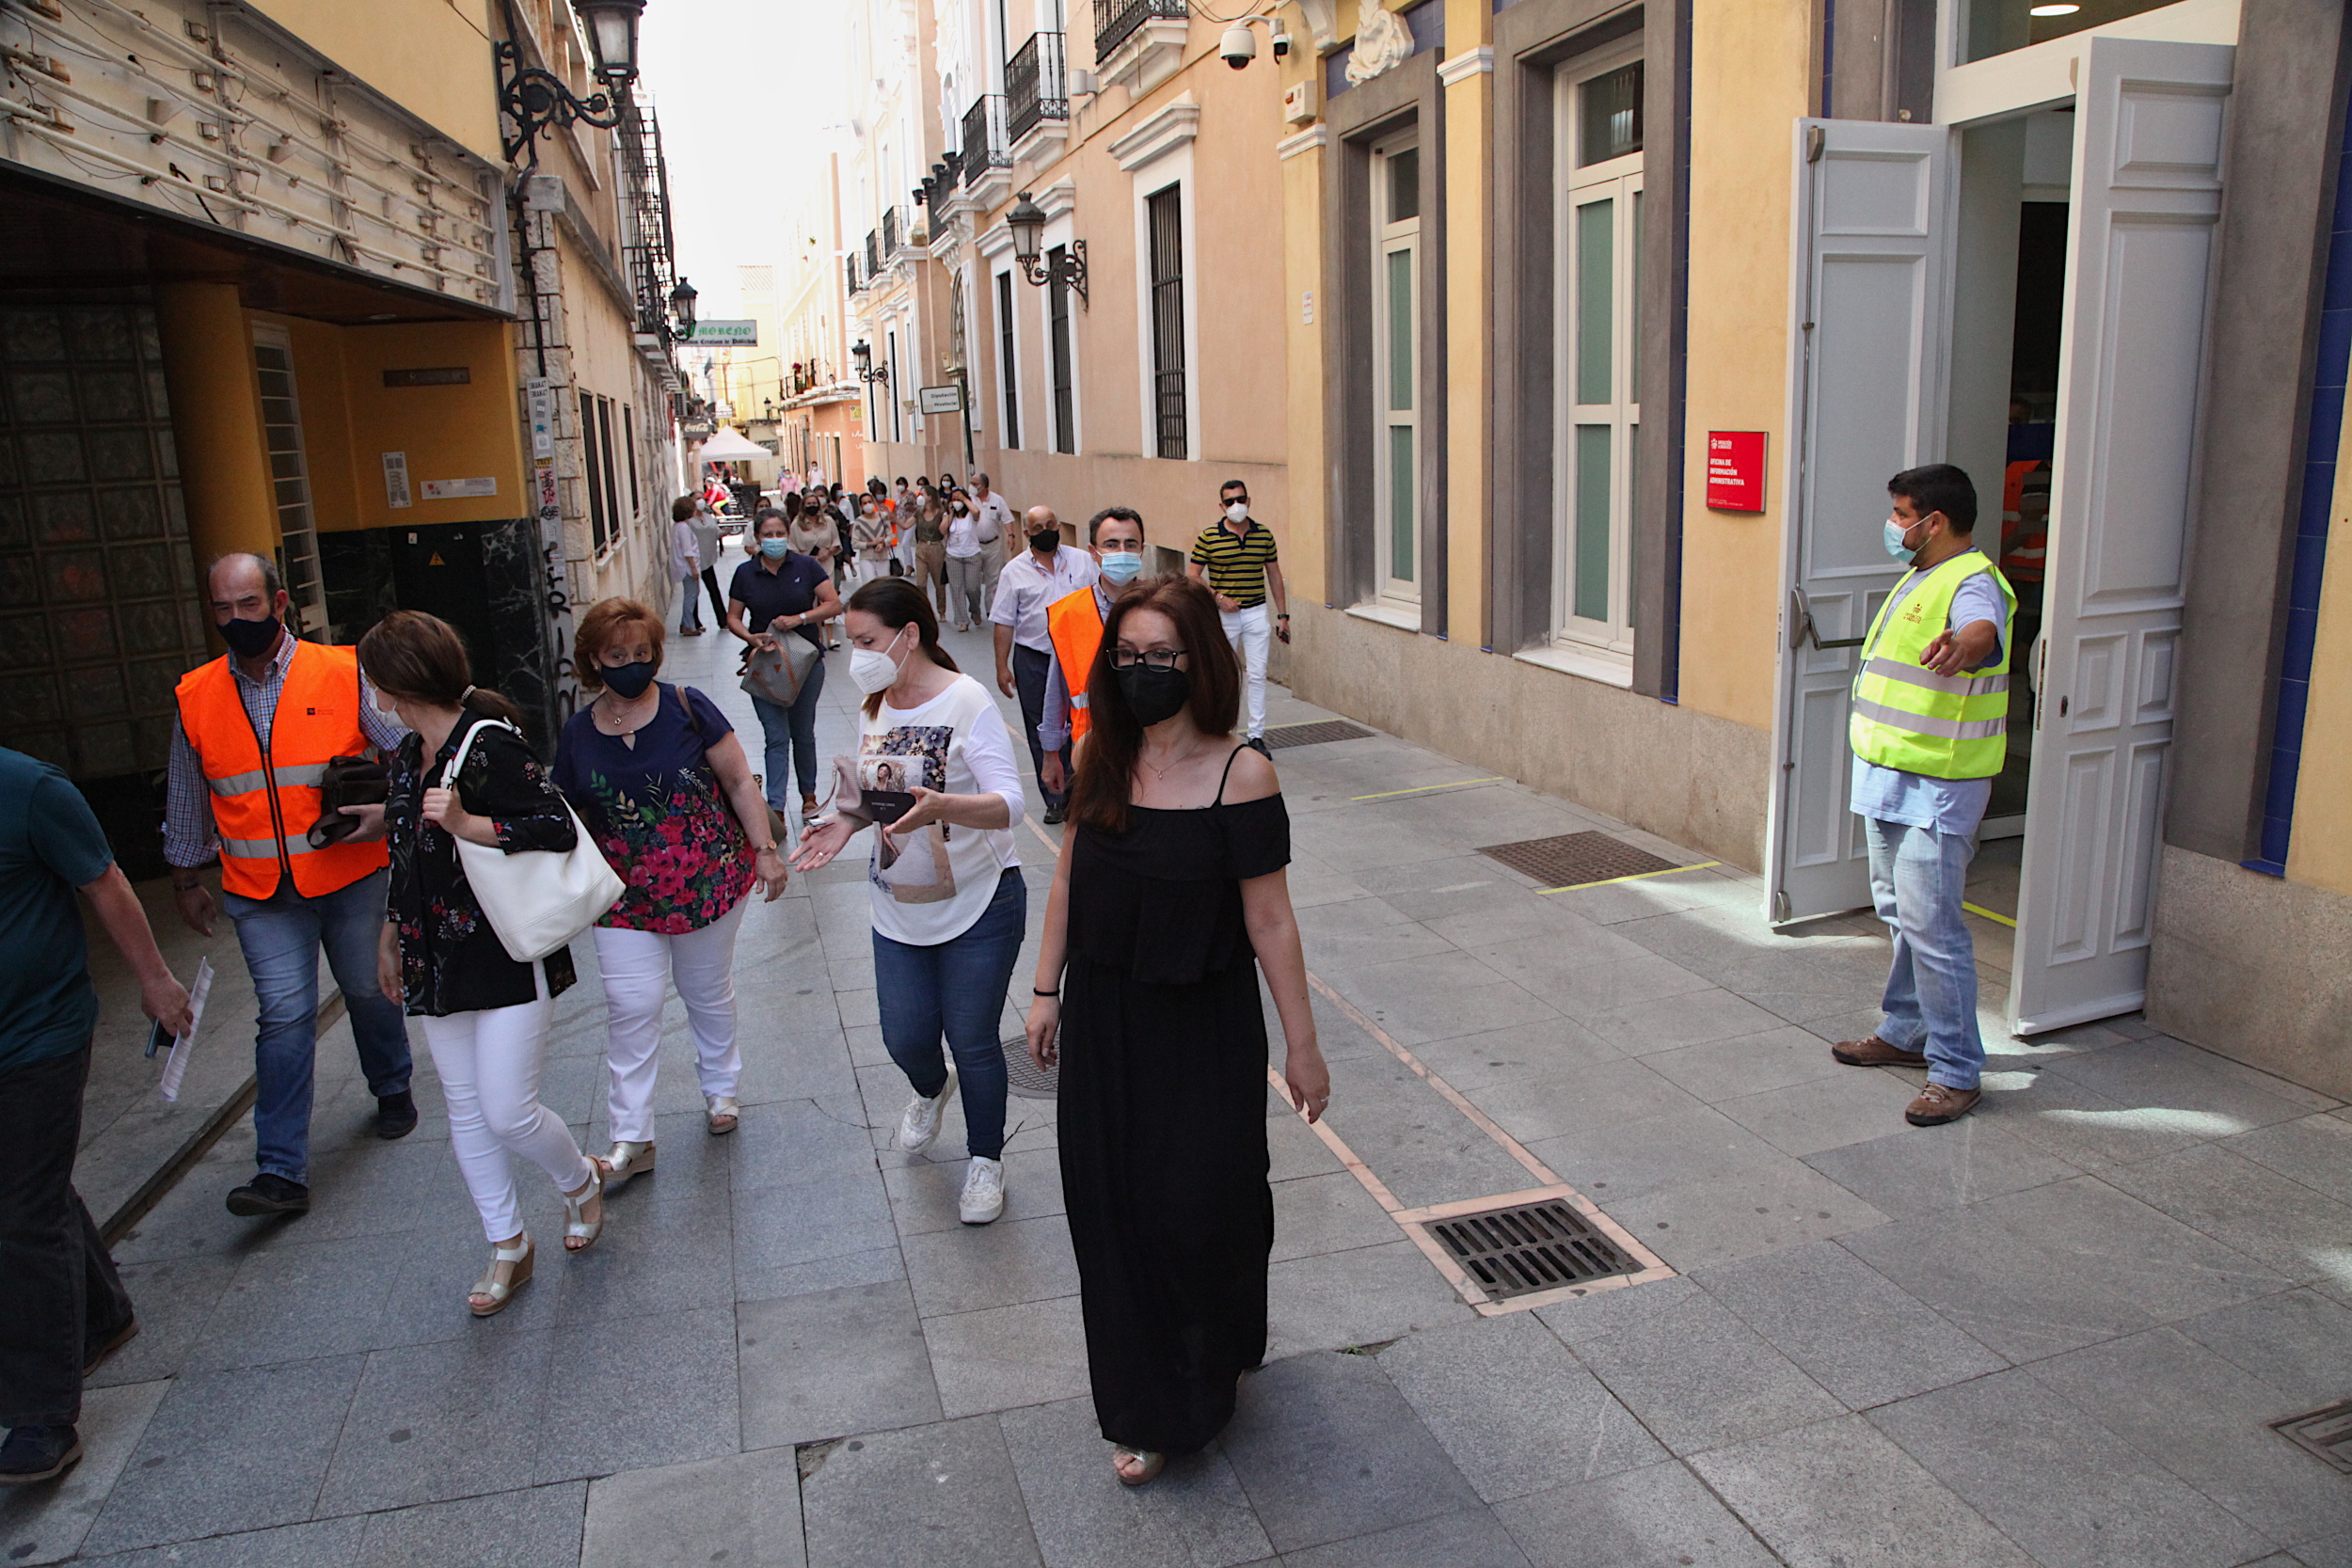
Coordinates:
(1074,624)
(1928,731)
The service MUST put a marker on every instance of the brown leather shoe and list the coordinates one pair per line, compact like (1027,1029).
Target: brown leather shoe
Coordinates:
(1939,1104)
(1870,1050)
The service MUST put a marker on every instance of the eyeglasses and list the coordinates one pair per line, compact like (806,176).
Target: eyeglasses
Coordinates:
(1150,659)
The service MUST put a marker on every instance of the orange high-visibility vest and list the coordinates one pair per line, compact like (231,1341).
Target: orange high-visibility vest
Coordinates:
(266,799)
(2024,550)
(1075,623)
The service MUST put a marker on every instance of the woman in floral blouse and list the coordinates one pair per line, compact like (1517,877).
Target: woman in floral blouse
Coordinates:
(485,1015)
(659,776)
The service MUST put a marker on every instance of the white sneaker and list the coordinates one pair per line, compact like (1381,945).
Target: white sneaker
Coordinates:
(983,1191)
(920,1125)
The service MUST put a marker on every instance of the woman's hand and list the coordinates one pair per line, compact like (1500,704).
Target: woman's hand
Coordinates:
(441,809)
(930,807)
(1044,1032)
(387,978)
(1306,1079)
(819,842)
(768,866)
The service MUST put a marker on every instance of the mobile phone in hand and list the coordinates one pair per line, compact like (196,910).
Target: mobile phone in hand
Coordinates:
(887,805)
(158,1037)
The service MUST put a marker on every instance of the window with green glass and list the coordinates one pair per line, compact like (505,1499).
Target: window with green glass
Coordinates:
(1596,300)
(1400,330)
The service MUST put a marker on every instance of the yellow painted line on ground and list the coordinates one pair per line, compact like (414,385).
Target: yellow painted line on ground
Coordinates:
(1423,789)
(1638,875)
(1996,918)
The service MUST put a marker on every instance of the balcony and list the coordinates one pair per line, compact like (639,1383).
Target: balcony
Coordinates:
(856,283)
(1139,42)
(985,149)
(1037,86)
(873,253)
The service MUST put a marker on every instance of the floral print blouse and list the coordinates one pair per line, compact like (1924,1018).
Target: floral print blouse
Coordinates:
(451,960)
(657,812)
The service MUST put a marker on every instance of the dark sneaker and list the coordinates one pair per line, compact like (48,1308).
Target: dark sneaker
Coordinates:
(1939,1104)
(1257,744)
(1054,815)
(269,1194)
(38,1453)
(1870,1050)
(112,1343)
(396,1114)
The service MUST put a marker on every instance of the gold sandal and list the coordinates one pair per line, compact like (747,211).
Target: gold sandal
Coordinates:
(1148,1465)
(623,1161)
(724,1114)
(577,1226)
(497,1291)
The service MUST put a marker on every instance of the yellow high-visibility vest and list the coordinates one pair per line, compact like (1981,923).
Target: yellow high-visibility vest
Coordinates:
(1907,717)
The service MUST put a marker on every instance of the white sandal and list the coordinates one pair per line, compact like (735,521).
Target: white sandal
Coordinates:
(1149,1464)
(498,1291)
(576,1226)
(623,1161)
(724,1114)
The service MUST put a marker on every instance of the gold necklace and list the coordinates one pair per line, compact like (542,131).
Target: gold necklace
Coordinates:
(1161,773)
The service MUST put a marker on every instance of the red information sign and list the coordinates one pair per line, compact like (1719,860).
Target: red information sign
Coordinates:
(1735,470)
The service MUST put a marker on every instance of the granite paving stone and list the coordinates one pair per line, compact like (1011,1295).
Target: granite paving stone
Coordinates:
(1006,1357)
(1921,1169)
(47,1524)
(299,1302)
(434,1422)
(1195,1515)
(2296,1341)
(891,1499)
(830,1362)
(1755,1210)
(1314,1215)
(743,1511)
(2281,1224)
(624,1393)
(1855,1105)
(174,1298)
(1600,1094)
(779,1232)
(536,1527)
(1362,1296)
(1699,1378)
(1731,1069)
(975,1267)
(324,1544)
(1472,1538)
(1660,1516)
(2316,1150)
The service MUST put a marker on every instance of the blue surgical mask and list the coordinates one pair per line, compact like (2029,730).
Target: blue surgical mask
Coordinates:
(1895,545)
(774,548)
(1121,566)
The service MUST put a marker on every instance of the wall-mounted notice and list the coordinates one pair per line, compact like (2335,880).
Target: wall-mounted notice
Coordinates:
(454,489)
(1735,470)
(396,479)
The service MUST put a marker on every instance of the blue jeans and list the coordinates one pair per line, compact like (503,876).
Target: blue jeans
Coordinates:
(959,988)
(791,736)
(1918,878)
(281,936)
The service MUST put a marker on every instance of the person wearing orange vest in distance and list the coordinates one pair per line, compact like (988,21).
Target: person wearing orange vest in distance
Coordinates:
(2024,546)
(1075,623)
(256,729)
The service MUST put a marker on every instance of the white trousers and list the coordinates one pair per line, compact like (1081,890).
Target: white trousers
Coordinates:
(639,967)
(489,1063)
(1251,633)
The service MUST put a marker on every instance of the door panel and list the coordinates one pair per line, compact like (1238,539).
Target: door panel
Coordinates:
(1866,395)
(2149,129)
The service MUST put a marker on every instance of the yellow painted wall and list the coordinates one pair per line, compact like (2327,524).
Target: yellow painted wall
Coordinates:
(216,418)
(326,430)
(2321,852)
(430,56)
(448,432)
(1750,70)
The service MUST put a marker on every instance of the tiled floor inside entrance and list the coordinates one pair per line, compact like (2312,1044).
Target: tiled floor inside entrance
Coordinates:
(2051,1333)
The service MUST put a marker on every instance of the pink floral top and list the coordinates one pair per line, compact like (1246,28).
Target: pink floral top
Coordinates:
(657,813)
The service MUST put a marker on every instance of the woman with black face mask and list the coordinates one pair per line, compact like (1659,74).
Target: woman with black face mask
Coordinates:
(1169,898)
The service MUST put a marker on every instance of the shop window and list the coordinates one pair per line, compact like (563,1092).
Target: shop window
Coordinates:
(1997,26)
(1597,352)
(1397,456)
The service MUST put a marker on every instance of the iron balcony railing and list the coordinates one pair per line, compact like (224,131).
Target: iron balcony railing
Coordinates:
(1115,20)
(850,262)
(1037,88)
(894,229)
(985,146)
(873,253)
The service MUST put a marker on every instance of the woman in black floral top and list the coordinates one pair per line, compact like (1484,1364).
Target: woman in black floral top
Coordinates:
(485,1015)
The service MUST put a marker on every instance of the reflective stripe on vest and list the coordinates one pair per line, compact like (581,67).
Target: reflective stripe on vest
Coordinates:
(1906,716)
(1074,623)
(284,778)
(263,849)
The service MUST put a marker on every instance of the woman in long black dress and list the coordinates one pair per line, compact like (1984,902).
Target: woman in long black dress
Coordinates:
(1169,897)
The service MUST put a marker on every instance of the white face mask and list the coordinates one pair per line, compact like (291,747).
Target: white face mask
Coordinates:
(872,670)
(1238,511)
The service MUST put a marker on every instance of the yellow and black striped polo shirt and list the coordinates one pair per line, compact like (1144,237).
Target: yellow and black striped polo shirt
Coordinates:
(1237,564)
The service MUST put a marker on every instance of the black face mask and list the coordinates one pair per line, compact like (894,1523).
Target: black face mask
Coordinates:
(1045,544)
(1153,695)
(628,681)
(250,639)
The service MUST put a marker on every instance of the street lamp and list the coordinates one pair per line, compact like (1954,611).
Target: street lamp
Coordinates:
(682,304)
(1027,222)
(867,369)
(613,35)
(535,98)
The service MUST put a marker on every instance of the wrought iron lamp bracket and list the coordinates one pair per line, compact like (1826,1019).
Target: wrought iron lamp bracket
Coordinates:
(535,98)
(1069,271)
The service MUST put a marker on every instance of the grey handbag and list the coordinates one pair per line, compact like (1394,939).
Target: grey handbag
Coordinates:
(777,674)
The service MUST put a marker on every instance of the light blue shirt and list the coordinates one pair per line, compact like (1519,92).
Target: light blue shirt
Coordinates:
(1946,805)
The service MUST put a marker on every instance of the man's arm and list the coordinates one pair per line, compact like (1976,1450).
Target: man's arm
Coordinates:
(1004,654)
(1281,596)
(1053,732)
(162,997)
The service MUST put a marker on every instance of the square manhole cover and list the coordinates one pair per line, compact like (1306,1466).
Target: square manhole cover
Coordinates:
(1314,735)
(1023,1076)
(1574,859)
(2325,1433)
(1526,1247)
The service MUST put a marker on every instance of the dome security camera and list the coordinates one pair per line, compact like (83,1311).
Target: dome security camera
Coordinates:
(1239,46)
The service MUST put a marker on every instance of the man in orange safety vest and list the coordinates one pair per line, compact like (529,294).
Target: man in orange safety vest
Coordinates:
(1075,622)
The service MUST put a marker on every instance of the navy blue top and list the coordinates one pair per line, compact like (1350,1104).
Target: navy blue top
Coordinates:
(49,844)
(658,814)
(789,589)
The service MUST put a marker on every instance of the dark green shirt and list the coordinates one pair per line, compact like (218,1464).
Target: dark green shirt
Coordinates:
(49,844)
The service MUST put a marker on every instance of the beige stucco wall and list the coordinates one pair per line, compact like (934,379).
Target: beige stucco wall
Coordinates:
(430,56)
(2321,852)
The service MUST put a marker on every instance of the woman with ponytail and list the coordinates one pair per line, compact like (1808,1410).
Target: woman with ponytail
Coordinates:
(485,1015)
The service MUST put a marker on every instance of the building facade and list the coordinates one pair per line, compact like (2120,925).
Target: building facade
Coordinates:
(1606,324)
(276,278)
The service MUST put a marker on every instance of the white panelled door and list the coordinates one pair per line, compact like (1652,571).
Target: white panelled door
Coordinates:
(2148,142)
(1867,401)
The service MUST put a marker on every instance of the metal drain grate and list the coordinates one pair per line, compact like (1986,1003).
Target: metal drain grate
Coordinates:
(1527,1248)
(1021,1075)
(1314,735)
(1573,860)
(2325,1433)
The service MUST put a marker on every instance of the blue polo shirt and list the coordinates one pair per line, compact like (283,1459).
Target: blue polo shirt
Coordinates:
(49,844)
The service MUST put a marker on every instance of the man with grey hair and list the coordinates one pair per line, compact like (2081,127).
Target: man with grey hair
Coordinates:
(1047,571)
(249,749)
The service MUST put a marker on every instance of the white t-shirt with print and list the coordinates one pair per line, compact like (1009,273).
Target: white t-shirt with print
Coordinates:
(946,876)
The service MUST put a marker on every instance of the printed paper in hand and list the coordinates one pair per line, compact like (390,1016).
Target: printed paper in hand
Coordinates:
(176,1065)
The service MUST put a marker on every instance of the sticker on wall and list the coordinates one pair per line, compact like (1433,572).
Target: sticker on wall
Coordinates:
(396,479)
(1735,470)
(549,511)
(454,489)
(542,399)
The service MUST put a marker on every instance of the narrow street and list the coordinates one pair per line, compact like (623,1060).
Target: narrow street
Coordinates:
(2051,1332)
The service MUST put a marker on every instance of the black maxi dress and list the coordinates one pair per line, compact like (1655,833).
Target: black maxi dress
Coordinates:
(1162,1121)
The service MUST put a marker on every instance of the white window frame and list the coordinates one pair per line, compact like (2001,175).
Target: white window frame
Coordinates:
(1062,232)
(1607,640)
(1391,238)
(1014,429)
(1170,168)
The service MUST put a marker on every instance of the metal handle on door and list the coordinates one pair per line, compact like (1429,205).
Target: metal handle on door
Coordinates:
(1800,627)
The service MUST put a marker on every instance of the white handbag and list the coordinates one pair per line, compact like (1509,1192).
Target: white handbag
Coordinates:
(536,900)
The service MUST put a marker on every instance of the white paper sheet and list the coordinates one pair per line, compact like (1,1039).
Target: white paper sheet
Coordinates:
(176,1065)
